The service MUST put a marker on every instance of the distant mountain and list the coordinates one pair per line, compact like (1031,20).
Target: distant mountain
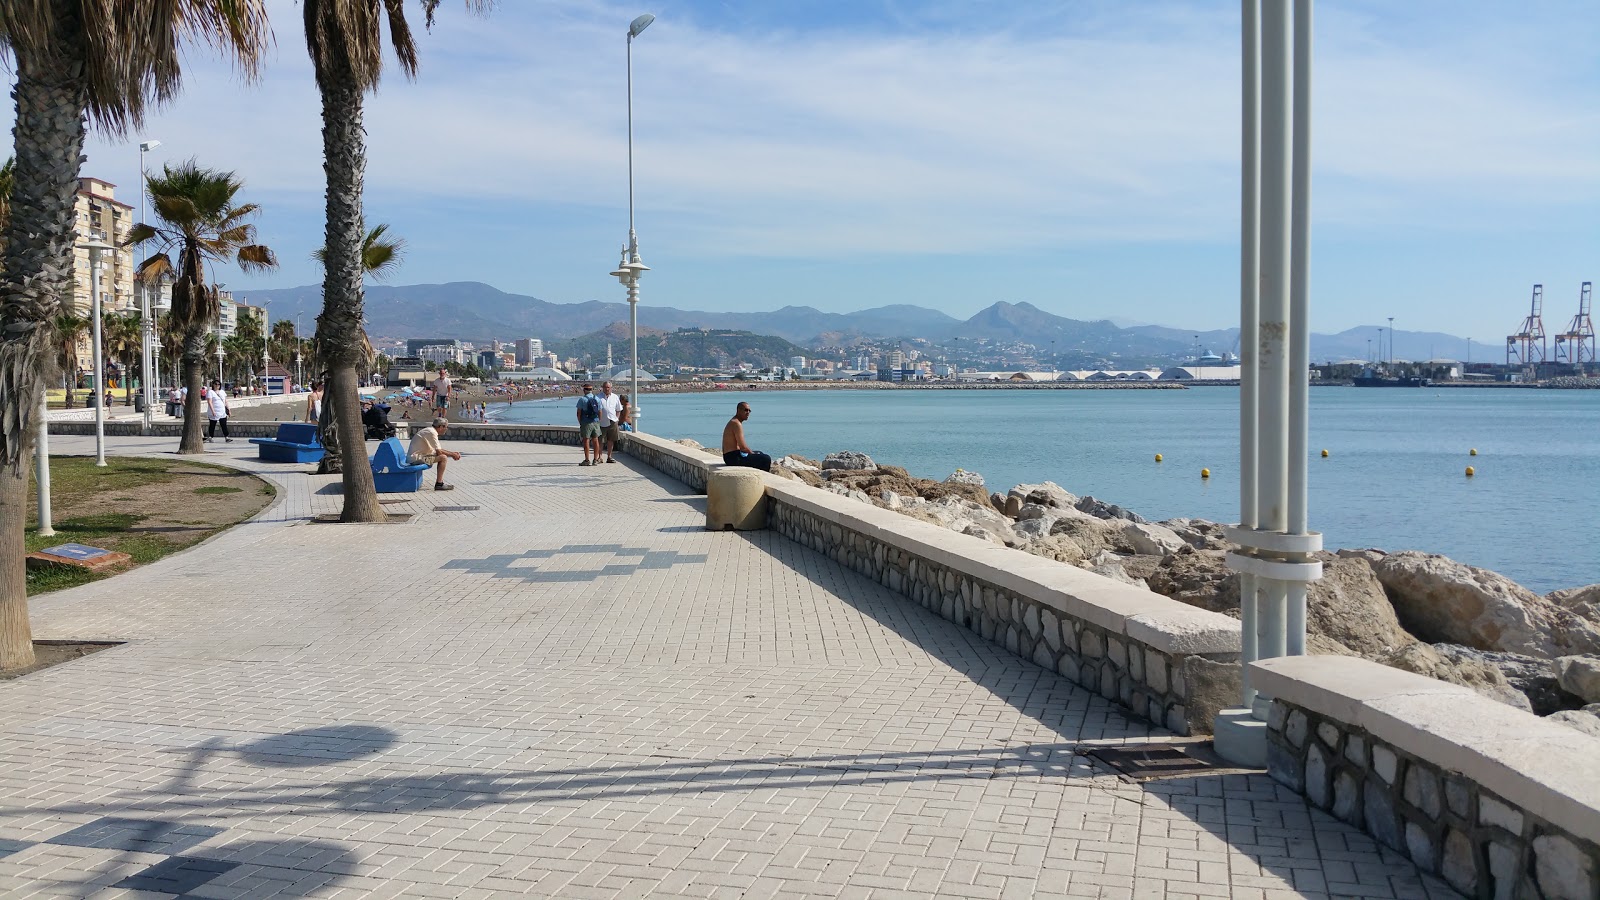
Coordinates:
(476,312)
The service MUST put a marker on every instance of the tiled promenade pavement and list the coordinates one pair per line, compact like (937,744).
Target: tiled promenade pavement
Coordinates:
(573,690)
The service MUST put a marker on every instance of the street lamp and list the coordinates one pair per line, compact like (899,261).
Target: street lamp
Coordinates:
(1391,340)
(630,262)
(147,324)
(266,337)
(96,246)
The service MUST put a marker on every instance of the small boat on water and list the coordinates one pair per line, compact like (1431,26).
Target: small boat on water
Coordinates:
(1374,378)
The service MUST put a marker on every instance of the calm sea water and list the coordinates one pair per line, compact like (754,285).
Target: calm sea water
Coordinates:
(1394,477)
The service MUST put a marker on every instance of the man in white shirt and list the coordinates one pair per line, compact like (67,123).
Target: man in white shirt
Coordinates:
(217,411)
(441,393)
(425,449)
(610,422)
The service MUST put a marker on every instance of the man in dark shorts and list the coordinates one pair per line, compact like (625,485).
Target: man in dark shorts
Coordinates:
(735,452)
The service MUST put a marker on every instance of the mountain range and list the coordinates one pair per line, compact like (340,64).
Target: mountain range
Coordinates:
(473,311)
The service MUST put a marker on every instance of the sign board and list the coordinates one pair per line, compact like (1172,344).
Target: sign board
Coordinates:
(75,551)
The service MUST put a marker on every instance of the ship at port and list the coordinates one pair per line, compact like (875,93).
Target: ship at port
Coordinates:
(1375,378)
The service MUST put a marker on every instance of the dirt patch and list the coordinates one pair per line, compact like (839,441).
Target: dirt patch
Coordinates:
(54,653)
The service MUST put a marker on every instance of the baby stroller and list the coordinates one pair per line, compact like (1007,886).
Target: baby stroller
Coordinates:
(376,420)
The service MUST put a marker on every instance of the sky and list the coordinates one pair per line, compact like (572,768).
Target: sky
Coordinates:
(844,154)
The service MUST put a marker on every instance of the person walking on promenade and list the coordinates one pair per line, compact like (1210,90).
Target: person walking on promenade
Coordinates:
(735,452)
(589,425)
(217,412)
(441,393)
(314,403)
(610,419)
(425,449)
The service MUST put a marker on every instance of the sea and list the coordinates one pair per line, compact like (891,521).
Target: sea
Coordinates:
(1394,478)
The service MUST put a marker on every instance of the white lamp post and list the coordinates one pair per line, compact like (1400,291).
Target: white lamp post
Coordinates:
(631,263)
(147,323)
(266,337)
(95,248)
(1275,557)
(42,467)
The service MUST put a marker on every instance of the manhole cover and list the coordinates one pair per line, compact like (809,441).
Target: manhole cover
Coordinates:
(455,509)
(1148,762)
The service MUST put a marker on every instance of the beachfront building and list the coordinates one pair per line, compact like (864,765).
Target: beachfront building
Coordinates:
(439,354)
(100,216)
(414,345)
(1199,373)
(529,351)
(540,373)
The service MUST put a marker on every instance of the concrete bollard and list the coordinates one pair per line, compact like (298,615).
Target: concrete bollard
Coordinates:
(737,499)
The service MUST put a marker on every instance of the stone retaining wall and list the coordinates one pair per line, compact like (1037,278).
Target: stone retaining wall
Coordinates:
(1494,800)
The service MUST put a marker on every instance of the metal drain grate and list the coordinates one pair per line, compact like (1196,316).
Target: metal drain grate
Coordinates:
(456,509)
(1148,762)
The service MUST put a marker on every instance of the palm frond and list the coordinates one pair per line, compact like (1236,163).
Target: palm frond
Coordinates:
(256,258)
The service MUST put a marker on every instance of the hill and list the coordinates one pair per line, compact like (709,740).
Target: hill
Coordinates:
(660,351)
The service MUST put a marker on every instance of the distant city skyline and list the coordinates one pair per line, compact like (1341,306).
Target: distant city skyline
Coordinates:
(1083,158)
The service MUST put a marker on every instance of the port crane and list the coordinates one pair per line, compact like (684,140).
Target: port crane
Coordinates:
(1527,347)
(1576,345)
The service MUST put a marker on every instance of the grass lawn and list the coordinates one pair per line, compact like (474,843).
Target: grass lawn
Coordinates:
(146,508)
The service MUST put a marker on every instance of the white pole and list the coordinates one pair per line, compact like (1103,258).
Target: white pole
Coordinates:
(633,257)
(1249,312)
(1300,316)
(99,361)
(42,467)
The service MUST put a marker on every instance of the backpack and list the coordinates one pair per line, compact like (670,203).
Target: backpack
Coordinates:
(591,408)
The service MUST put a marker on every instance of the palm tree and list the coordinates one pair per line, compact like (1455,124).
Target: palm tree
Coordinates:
(119,338)
(76,61)
(69,328)
(283,341)
(381,256)
(345,40)
(201,224)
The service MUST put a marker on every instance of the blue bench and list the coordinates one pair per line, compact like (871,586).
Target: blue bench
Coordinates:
(296,443)
(391,474)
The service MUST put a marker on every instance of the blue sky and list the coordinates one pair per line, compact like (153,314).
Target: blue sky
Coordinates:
(1081,156)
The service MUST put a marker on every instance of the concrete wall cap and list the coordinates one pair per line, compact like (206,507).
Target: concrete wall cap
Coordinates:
(1186,631)
(1544,767)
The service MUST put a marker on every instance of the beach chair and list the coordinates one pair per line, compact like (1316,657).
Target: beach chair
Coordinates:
(391,474)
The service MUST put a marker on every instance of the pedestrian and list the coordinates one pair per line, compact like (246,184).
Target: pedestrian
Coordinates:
(314,403)
(175,402)
(217,411)
(735,452)
(441,393)
(589,425)
(610,418)
(627,414)
(425,449)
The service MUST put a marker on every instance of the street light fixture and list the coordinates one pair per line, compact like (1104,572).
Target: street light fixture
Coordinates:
(631,268)
(97,246)
(147,324)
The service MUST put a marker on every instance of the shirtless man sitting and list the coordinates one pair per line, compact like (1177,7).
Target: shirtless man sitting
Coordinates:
(735,452)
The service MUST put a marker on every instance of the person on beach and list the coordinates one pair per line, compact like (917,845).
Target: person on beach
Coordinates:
(610,418)
(425,449)
(314,403)
(217,411)
(441,392)
(589,425)
(627,414)
(735,452)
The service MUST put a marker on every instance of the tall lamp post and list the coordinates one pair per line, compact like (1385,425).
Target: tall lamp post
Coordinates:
(631,267)
(95,248)
(1391,340)
(266,337)
(147,324)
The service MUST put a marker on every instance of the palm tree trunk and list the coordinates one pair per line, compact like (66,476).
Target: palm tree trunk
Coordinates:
(344,161)
(51,92)
(194,376)
(328,435)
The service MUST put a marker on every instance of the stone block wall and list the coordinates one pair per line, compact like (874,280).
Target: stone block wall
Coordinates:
(1434,776)
(1179,691)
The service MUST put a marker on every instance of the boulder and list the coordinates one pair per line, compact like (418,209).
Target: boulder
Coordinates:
(998,501)
(1103,510)
(1200,534)
(962,476)
(978,531)
(1045,494)
(1586,720)
(1534,676)
(1149,538)
(1199,578)
(1090,534)
(1481,677)
(795,464)
(847,461)
(1117,572)
(1580,675)
(1348,605)
(1371,556)
(1052,546)
(1439,599)
(691,443)
(1581,601)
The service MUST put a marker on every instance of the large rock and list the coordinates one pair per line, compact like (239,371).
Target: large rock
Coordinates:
(1580,675)
(1103,510)
(1582,601)
(1534,676)
(1149,538)
(1199,578)
(1045,494)
(1481,677)
(1200,534)
(1586,720)
(1439,599)
(847,461)
(795,464)
(1348,605)
(962,476)
(1091,534)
